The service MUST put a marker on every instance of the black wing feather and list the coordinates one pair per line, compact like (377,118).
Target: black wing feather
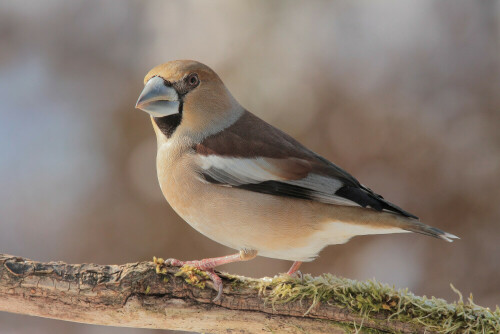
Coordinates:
(365,197)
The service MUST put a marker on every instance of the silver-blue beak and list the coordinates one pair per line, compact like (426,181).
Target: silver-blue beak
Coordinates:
(157,99)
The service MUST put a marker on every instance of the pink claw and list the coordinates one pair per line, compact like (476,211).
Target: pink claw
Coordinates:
(217,283)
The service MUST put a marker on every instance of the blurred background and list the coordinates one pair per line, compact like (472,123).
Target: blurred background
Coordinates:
(403,94)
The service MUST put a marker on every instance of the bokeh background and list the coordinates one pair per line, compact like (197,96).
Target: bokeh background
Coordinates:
(403,94)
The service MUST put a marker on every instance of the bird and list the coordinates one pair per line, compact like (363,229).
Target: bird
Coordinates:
(249,186)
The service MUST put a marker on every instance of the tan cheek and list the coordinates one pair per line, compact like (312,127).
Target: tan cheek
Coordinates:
(203,107)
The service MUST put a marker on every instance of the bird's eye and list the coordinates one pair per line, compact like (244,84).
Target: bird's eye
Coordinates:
(193,80)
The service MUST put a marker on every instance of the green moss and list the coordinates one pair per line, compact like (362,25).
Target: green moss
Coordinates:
(370,297)
(160,265)
(193,276)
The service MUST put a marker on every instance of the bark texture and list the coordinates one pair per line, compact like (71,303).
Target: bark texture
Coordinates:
(134,295)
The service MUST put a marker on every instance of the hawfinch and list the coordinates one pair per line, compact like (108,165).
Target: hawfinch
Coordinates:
(249,186)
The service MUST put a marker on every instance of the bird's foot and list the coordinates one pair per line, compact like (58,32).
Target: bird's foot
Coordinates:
(204,266)
(297,274)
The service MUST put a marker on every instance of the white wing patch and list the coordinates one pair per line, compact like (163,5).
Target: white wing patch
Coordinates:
(236,172)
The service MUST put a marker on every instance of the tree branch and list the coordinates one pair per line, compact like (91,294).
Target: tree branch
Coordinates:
(135,295)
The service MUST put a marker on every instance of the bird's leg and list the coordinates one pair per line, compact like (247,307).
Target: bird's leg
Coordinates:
(294,269)
(208,266)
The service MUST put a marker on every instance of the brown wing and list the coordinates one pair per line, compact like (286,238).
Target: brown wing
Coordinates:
(253,155)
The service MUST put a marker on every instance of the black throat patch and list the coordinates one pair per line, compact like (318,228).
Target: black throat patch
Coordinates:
(168,124)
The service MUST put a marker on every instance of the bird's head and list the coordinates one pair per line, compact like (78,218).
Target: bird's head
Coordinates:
(191,93)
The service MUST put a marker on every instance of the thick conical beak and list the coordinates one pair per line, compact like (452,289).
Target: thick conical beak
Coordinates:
(157,99)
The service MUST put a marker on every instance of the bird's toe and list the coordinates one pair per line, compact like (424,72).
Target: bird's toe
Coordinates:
(217,281)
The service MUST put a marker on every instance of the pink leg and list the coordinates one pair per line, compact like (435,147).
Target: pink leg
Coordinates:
(293,269)
(208,266)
